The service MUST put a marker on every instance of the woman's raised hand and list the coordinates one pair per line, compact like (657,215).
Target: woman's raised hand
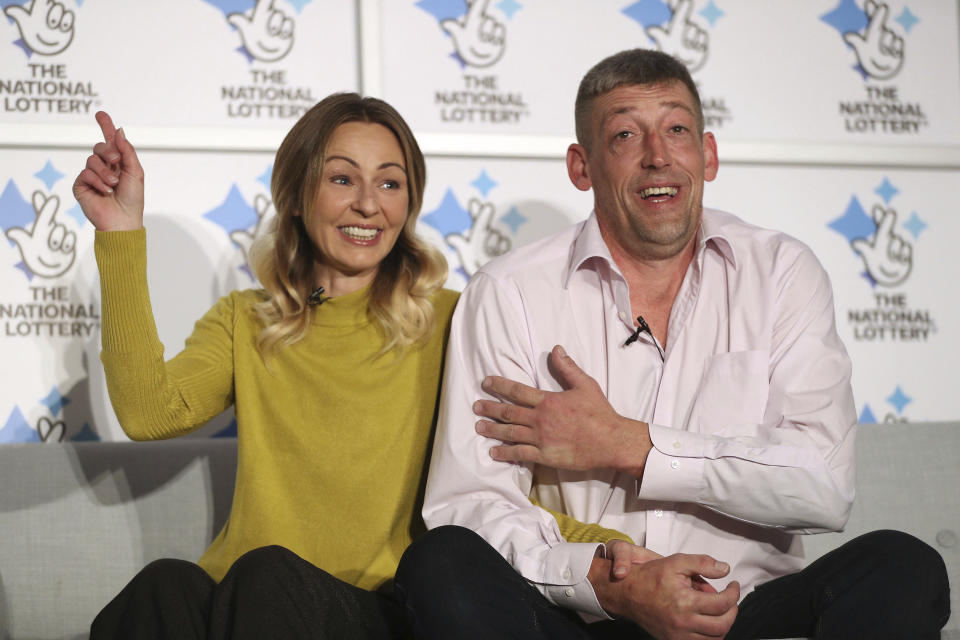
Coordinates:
(110,188)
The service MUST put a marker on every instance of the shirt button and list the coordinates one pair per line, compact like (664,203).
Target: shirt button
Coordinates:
(569,592)
(566,574)
(677,445)
(675,464)
(622,316)
(658,513)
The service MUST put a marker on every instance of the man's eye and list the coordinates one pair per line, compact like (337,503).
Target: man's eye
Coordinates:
(623,135)
(678,128)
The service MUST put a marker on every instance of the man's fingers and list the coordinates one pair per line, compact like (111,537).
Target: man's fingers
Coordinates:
(565,370)
(504,412)
(716,604)
(106,126)
(511,391)
(511,433)
(711,568)
(515,453)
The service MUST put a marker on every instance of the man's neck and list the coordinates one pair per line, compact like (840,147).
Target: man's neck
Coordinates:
(653,283)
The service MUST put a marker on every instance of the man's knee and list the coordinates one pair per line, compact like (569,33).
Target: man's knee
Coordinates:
(915,567)
(441,551)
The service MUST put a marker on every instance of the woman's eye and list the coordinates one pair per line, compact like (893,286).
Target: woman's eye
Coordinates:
(340,180)
(391,184)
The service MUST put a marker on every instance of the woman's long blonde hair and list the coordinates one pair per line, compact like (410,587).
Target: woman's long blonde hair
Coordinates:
(283,257)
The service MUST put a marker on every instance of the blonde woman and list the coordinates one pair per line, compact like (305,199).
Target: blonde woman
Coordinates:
(333,369)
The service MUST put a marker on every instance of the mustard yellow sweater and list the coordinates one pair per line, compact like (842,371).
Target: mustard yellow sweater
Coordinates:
(332,443)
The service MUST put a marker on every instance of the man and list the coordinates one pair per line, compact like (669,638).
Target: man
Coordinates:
(710,432)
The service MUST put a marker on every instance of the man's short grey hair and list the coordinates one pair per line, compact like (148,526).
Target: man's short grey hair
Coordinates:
(630,67)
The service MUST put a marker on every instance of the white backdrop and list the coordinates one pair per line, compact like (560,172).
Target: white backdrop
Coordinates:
(822,133)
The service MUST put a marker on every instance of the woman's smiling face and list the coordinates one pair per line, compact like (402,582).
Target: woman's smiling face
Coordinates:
(360,205)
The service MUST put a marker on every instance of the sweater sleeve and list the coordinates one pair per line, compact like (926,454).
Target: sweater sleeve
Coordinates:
(154,399)
(573,530)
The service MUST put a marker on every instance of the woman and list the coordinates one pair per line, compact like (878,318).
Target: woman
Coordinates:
(333,369)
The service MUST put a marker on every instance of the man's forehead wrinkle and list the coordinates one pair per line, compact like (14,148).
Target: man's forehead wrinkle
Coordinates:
(665,105)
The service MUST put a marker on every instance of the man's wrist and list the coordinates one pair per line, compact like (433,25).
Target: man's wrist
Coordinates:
(633,446)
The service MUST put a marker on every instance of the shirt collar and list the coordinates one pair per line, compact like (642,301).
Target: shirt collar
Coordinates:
(588,244)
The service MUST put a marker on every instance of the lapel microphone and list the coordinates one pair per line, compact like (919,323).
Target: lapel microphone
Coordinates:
(641,327)
(317,298)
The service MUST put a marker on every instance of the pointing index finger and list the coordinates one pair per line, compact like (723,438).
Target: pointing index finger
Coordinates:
(106,126)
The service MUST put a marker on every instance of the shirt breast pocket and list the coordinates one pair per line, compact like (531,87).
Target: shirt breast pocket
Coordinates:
(734,389)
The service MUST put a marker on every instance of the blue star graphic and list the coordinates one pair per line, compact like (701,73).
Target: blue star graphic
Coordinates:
(886,190)
(449,217)
(26,270)
(866,416)
(915,225)
(484,183)
(299,4)
(846,17)
(76,213)
(907,19)
(513,219)
(712,13)
(460,61)
(463,272)
(509,7)
(899,399)
(863,72)
(234,213)
(55,402)
(854,223)
(23,45)
(48,175)
(232,6)
(16,429)
(866,275)
(87,434)
(266,177)
(648,12)
(245,53)
(14,210)
(443,9)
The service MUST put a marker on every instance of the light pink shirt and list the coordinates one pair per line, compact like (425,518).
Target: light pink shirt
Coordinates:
(750,410)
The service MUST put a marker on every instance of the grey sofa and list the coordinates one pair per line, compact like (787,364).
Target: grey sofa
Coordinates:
(77,521)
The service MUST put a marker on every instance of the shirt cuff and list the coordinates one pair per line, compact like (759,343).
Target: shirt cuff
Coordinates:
(567,586)
(674,470)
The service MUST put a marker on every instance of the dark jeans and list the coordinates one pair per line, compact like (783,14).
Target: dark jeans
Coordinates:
(884,584)
(268,593)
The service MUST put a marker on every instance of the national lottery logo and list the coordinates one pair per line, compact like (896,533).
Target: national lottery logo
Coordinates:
(43,234)
(897,401)
(479,35)
(46,27)
(682,28)
(884,248)
(677,28)
(876,40)
(477,232)
(266,29)
(244,222)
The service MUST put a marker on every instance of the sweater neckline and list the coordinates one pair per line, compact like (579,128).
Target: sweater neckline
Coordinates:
(347,310)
